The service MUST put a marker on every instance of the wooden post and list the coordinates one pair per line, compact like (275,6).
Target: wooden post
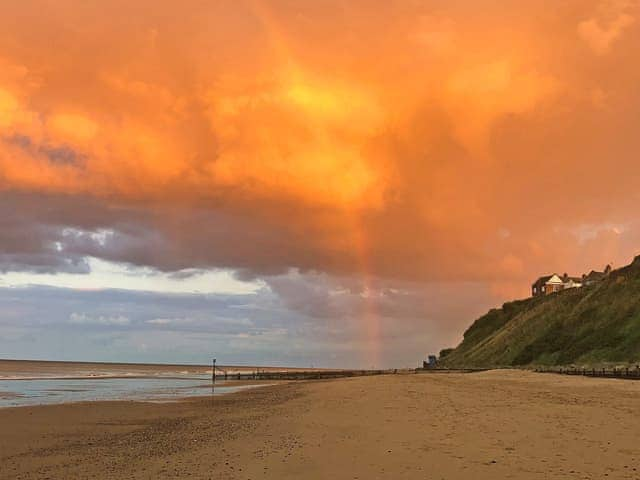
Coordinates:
(213,372)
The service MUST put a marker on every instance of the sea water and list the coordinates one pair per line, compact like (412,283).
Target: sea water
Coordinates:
(44,391)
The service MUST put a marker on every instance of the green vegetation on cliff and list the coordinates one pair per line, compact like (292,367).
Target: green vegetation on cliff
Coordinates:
(591,325)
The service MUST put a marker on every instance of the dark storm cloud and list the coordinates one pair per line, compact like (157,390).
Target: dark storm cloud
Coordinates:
(49,234)
(61,155)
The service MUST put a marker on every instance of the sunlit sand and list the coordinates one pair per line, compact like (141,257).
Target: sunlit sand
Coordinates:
(496,424)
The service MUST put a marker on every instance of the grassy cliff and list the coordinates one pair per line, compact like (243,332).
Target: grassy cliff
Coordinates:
(591,325)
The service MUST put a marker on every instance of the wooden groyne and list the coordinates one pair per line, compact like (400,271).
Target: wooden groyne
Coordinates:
(300,375)
(328,374)
(627,373)
(450,370)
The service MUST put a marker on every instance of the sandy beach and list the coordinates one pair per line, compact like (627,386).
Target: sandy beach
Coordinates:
(498,424)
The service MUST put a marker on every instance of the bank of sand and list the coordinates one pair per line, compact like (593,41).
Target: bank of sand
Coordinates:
(499,424)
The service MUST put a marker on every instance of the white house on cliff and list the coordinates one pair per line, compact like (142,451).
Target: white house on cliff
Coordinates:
(555,283)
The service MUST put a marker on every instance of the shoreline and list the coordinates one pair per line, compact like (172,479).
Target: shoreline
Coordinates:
(50,369)
(69,391)
(169,376)
(496,424)
(32,383)
(105,403)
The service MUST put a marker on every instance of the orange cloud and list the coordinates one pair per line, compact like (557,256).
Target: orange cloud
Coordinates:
(71,128)
(299,138)
(402,143)
(602,30)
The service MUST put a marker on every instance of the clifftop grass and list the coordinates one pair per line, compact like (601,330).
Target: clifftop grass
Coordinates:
(591,325)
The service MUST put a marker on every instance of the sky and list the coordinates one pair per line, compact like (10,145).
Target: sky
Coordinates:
(331,183)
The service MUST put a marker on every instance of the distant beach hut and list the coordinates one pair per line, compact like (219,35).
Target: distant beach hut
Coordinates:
(431,362)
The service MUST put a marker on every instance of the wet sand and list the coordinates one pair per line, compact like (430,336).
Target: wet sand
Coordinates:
(499,424)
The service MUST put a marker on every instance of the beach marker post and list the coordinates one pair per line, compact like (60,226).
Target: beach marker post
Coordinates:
(213,372)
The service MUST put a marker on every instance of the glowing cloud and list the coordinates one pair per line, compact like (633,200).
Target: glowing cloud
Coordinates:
(399,144)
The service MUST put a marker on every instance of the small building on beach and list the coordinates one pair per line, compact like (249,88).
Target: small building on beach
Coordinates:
(430,362)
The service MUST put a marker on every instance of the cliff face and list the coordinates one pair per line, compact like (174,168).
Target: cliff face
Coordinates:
(583,326)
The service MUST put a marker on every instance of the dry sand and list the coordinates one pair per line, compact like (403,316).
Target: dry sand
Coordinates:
(500,424)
